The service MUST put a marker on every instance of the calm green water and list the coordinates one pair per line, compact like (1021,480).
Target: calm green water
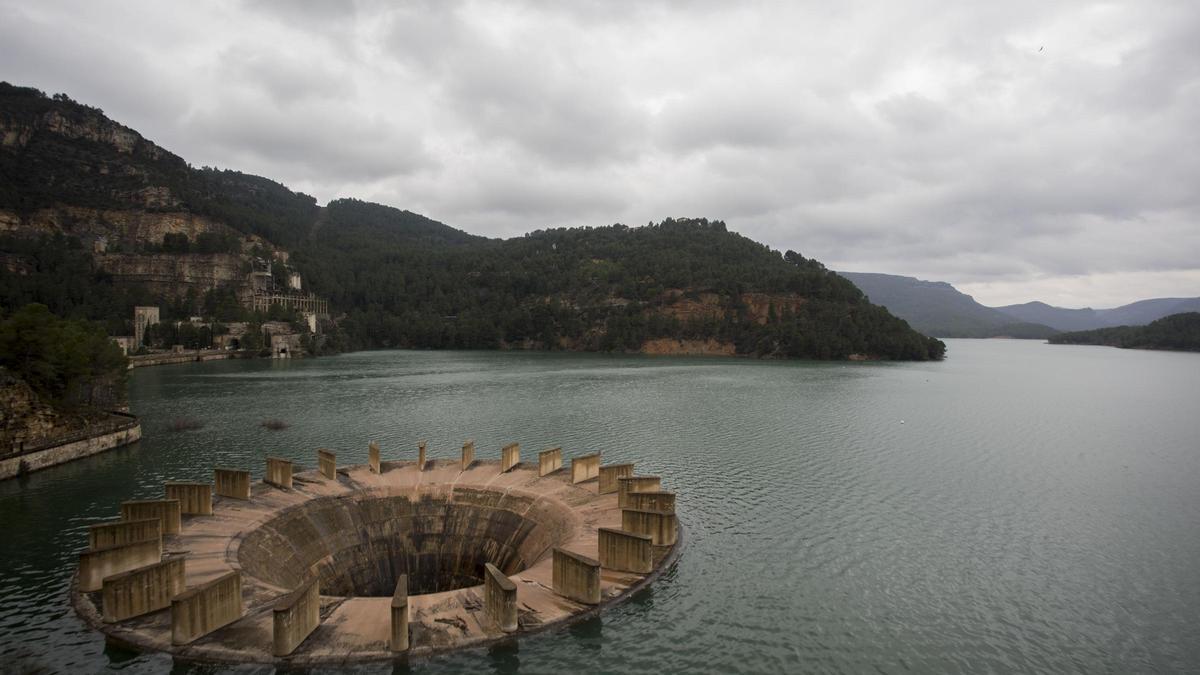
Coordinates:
(1019,507)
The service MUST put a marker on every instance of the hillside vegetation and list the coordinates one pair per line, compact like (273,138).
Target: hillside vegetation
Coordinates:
(399,279)
(1176,332)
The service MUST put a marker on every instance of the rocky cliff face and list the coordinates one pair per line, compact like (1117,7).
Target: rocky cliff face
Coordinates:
(128,226)
(171,276)
(23,416)
(684,306)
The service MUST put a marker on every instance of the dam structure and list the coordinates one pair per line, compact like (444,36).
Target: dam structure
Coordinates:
(386,560)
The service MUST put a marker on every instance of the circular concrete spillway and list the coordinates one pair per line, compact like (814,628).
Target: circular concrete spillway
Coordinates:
(359,545)
(356,533)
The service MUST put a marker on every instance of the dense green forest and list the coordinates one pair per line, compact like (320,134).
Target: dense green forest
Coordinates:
(408,281)
(1175,332)
(398,279)
(67,363)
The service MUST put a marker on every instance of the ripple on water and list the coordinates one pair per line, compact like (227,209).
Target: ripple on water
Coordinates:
(1035,512)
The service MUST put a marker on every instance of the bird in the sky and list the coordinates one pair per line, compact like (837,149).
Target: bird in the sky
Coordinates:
(1041,48)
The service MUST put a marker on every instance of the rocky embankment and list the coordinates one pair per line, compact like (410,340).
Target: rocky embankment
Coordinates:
(34,435)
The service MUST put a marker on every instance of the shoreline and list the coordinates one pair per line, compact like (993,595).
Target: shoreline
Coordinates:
(124,430)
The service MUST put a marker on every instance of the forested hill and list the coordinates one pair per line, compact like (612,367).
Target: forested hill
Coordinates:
(398,279)
(1176,332)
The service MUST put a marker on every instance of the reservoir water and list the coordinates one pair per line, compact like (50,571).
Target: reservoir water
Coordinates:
(1019,507)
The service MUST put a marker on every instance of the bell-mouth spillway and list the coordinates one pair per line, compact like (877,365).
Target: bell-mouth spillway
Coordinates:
(360,544)
(376,561)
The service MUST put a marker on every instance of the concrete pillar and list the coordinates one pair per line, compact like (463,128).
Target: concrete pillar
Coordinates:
(510,457)
(651,501)
(421,456)
(105,535)
(609,475)
(279,473)
(166,510)
(143,589)
(232,483)
(399,641)
(499,598)
(576,577)
(625,551)
(195,499)
(659,525)
(636,484)
(585,468)
(549,461)
(201,610)
(373,457)
(468,455)
(95,565)
(327,462)
(296,616)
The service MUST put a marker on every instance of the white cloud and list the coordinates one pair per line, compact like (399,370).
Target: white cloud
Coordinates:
(1021,150)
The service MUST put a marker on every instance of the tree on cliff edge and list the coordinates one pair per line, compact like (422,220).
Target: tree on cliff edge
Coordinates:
(68,363)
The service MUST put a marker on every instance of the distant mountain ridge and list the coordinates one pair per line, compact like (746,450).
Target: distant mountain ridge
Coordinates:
(1176,332)
(938,309)
(1137,313)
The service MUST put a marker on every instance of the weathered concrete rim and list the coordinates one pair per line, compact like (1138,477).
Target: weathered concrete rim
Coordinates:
(86,607)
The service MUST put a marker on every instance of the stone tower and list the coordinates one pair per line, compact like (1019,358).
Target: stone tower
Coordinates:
(142,318)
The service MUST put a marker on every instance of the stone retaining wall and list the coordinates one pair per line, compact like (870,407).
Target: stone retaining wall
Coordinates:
(549,461)
(625,551)
(58,454)
(205,608)
(95,565)
(576,577)
(232,483)
(121,532)
(609,475)
(195,499)
(585,468)
(296,616)
(143,590)
(167,511)
(499,598)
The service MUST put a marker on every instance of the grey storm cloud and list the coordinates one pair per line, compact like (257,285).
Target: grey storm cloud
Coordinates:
(1019,150)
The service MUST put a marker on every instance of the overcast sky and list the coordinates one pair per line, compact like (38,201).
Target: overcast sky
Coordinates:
(1019,150)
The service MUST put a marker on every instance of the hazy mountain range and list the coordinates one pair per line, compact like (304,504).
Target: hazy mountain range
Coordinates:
(936,308)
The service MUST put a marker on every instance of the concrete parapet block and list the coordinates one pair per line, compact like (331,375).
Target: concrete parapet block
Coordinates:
(232,483)
(95,565)
(399,639)
(609,475)
(195,499)
(636,484)
(327,463)
(660,526)
(421,456)
(651,501)
(510,457)
(576,577)
(279,473)
(166,510)
(549,461)
(296,616)
(468,455)
(201,610)
(499,598)
(142,590)
(625,551)
(106,535)
(373,457)
(585,468)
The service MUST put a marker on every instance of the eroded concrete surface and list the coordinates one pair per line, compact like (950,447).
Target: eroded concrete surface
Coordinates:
(539,513)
